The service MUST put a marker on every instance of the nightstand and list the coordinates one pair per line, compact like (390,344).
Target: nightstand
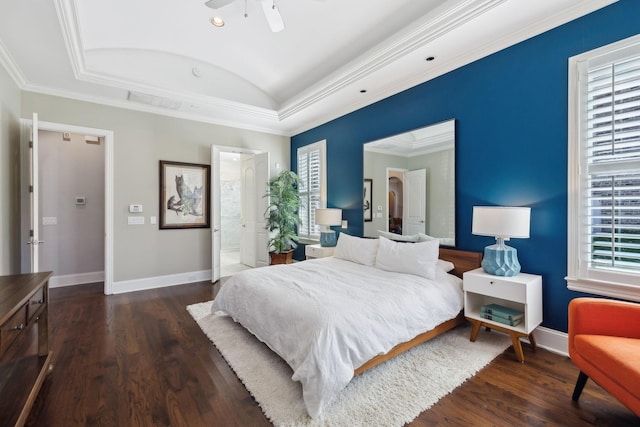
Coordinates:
(522,292)
(317,251)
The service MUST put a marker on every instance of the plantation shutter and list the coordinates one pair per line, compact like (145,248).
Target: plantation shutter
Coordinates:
(311,168)
(611,153)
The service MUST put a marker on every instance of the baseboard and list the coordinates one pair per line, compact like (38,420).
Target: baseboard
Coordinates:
(76,279)
(552,340)
(160,281)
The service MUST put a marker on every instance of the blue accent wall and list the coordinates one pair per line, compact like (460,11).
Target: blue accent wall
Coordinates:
(511,140)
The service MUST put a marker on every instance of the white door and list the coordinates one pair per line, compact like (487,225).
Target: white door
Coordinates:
(415,206)
(248,212)
(254,240)
(34,232)
(262,235)
(215,204)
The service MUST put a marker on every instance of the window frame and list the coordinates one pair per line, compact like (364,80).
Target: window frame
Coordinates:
(322,147)
(612,283)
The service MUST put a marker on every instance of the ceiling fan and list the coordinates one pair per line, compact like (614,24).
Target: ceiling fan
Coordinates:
(271,12)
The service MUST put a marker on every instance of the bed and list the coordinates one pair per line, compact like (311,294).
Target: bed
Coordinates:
(333,318)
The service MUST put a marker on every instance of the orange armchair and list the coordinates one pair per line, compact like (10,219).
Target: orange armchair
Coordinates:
(604,343)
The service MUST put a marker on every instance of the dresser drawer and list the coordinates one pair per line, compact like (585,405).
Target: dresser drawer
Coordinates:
(495,287)
(10,330)
(37,300)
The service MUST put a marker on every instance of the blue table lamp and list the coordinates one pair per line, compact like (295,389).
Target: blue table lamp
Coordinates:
(327,218)
(503,223)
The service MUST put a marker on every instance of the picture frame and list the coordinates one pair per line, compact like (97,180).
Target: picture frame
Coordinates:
(184,195)
(367,206)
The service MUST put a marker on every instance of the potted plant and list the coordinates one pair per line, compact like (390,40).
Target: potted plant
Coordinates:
(282,216)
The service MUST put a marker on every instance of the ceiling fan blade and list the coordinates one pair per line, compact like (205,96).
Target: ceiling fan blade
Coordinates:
(272,14)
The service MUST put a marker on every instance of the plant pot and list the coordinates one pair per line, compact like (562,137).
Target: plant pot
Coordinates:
(281,258)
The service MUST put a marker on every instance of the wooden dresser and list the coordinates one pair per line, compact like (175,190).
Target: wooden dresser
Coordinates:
(23,304)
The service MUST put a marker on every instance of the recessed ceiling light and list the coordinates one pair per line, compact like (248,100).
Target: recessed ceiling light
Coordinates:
(431,58)
(217,21)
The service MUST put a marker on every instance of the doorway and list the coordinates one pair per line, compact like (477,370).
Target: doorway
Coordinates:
(231,203)
(239,235)
(32,218)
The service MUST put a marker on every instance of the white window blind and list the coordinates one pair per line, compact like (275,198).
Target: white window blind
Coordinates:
(604,238)
(312,189)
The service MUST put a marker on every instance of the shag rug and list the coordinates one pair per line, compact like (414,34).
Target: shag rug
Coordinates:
(391,394)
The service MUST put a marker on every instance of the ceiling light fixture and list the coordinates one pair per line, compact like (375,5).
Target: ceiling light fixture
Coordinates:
(217,21)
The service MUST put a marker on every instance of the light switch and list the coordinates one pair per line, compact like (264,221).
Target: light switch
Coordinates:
(49,220)
(152,219)
(135,220)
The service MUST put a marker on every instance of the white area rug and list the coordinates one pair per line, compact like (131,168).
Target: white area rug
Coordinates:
(391,394)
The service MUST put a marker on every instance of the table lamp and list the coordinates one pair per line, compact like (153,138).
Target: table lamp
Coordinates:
(503,223)
(327,218)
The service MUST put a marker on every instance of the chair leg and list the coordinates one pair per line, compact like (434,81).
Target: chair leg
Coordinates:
(577,391)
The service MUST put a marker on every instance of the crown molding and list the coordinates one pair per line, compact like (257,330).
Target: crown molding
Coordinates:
(414,38)
(145,108)
(6,60)
(250,117)
(396,86)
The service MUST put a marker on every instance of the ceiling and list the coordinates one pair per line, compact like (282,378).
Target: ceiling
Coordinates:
(333,57)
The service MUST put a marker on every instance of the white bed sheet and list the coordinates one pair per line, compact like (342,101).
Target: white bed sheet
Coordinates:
(326,317)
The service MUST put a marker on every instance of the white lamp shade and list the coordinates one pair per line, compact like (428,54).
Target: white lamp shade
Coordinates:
(328,216)
(501,221)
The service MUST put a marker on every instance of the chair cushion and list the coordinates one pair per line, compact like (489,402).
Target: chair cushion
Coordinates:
(617,357)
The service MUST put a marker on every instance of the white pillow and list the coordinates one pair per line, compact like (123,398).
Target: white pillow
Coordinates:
(397,237)
(418,258)
(445,266)
(356,249)
(424,237)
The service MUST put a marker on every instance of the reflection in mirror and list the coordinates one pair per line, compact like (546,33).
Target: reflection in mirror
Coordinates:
(413,183)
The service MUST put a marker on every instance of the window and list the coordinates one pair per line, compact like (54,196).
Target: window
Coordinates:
(604,171)
(313,185)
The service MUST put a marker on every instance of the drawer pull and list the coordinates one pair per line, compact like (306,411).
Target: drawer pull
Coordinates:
(491,282)
(18,328)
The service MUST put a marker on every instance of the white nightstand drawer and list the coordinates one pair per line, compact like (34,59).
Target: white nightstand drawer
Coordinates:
(493,286)
(317,251)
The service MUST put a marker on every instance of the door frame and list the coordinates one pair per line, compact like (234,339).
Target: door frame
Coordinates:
(108,187)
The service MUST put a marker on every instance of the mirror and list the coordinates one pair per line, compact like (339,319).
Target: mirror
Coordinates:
(411,181)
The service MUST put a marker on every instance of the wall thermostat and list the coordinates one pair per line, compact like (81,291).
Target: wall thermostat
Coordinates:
(81,200)
(135,208)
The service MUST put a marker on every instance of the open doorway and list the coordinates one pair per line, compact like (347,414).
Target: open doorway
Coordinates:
(71,200)
(231,197)
(32,217)
(239,181)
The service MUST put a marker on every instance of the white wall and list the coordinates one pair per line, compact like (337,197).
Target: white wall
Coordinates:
(230,201)
(9,175)
(75,243)
(141,140)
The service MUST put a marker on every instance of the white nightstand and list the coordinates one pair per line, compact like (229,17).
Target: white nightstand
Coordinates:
(317,251)
(522,292)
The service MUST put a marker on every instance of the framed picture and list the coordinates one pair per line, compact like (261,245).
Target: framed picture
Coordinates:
(184,195)
(367,207)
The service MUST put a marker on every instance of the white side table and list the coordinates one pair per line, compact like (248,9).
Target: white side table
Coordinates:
(317,251)
(522,292)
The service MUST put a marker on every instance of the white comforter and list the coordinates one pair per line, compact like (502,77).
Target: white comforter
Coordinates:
(326,317)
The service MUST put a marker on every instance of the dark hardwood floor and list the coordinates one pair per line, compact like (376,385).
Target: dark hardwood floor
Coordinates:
(139,359)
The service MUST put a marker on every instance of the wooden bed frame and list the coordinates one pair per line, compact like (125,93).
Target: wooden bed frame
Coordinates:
(463,261)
